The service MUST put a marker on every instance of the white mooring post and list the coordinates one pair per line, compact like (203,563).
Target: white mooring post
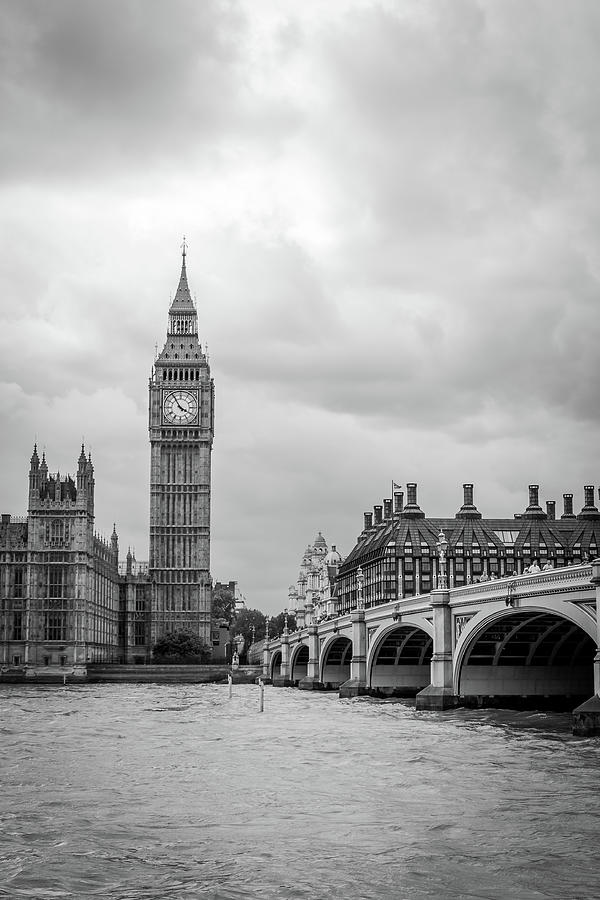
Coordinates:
(261,696)
(230,683)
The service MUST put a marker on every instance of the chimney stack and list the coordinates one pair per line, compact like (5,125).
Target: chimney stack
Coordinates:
(468,510)
(568,507)
(589,511)
(534,510)
(387,509)
(412,508)
(368,520)
(551,509)
(398,501)
(378,513)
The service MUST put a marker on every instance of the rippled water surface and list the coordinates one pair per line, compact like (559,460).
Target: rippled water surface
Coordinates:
(175,791)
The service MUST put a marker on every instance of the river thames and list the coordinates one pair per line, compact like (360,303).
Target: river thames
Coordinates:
(160,792)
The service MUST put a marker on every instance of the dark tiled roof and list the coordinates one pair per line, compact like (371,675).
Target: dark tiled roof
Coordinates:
(554,533)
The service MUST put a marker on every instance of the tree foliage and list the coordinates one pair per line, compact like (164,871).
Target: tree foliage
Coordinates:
(243,623)
(223,605)
(246,618)
(180,647)
(277,623)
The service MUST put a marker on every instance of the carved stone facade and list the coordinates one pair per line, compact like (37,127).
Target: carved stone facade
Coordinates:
(312,598)
(59,595)
(181,424)
(64,599)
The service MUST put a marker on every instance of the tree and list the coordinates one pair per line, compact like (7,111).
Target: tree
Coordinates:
(277,623)
(223,605)
(180,647)
(243,623)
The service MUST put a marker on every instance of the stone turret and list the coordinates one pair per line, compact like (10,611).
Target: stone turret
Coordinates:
(114,541)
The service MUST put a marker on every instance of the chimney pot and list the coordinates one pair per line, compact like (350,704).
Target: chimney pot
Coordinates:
(411,494)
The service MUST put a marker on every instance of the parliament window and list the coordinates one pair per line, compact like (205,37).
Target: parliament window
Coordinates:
(18,583)
(17,626)
(55,582)
(55,626)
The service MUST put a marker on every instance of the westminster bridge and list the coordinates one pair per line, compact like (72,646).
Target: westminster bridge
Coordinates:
(529,640)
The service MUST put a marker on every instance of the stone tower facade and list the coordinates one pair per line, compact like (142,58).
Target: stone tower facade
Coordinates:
(181,424)
(58,579)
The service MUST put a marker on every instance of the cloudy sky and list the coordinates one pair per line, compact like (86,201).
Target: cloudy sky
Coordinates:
(394,241)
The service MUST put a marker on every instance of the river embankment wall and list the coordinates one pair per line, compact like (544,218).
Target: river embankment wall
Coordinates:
(193,674)
(98,673)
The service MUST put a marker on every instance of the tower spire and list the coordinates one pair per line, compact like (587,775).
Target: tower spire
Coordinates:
(182,301)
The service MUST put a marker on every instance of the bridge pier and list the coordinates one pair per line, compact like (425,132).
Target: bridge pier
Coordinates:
(266,663)
(283,679)
(356,686)
(440,693)
(311,680)
(586,718)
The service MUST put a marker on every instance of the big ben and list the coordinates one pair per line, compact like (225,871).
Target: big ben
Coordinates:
(181,423)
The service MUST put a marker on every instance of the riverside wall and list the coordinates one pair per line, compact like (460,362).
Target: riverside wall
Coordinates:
(98,673)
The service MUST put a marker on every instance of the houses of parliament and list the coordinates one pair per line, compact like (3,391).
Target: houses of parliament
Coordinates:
(66,600)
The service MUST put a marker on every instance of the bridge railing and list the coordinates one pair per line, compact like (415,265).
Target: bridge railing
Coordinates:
(520,584)
(528,582)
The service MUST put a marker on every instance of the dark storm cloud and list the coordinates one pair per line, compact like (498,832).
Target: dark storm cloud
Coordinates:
(91,85)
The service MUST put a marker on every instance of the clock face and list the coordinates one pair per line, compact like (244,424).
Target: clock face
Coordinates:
(180,407)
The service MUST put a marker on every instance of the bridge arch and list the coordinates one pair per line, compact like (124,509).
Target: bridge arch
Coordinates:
(275,663)
(527,657)
(334,661)
(299,662)
(398,660)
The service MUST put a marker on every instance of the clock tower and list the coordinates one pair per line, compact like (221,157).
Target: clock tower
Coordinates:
(181,422)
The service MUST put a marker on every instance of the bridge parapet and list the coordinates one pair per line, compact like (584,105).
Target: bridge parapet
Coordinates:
(569,577)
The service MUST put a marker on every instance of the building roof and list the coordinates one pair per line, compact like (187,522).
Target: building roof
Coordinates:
(406,534)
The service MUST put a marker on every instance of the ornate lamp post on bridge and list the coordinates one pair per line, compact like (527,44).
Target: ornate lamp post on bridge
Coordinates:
(442,548)
(360,581)
(266,653)
(283,679)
